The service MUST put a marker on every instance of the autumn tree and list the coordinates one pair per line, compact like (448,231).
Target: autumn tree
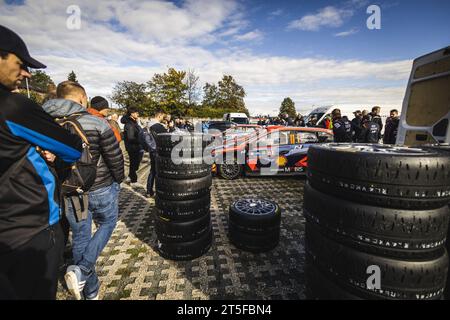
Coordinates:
(40,81)
(193,89)
(129,93)
(169,91)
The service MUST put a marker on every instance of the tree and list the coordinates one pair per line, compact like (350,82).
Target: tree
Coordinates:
(169,91)
(231,95)
(193,90)
(129,93)
(210,95)
(72,77)
(40,81)
(288,106)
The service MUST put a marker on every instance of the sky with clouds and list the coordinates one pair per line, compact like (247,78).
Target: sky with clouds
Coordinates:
(316,52)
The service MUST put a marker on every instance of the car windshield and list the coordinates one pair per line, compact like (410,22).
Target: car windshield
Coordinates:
(316,115)
(240,120)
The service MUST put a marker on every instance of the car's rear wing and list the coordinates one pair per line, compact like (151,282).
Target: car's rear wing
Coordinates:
(425,113)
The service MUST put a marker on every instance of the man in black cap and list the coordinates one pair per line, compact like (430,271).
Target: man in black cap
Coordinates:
(31,239)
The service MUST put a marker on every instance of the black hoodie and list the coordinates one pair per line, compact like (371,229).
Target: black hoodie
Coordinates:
(131,134)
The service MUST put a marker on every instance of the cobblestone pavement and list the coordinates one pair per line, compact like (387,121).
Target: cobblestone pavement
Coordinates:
(130,267)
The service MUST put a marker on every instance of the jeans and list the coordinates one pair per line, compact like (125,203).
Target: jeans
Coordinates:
(104,210)
(152,174)
(135,161)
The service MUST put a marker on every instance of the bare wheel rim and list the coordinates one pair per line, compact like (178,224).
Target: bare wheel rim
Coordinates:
(255,206)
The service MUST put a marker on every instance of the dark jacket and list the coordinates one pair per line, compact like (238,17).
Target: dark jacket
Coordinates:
(131,134)
(356,127)
(342,130)
(377,119)
(29,192)
(104,147)
(370,134)
(391,130)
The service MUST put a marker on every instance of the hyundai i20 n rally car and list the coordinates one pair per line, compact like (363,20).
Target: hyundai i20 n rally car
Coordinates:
(276,150)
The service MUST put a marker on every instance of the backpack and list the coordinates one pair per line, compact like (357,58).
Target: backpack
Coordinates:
(147,140)
(77,178)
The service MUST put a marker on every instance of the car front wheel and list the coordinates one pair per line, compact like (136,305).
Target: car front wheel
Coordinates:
(230,171)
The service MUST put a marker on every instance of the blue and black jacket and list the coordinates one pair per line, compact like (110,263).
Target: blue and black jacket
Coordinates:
(29,192)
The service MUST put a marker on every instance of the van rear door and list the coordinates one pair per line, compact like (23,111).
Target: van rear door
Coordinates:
(426,107)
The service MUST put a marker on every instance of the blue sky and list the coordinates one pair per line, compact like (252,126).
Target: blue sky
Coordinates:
(316,52)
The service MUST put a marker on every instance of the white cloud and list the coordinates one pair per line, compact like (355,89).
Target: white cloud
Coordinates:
(276,13)
(254,35)
(346,33)
(326,17)
(103,53)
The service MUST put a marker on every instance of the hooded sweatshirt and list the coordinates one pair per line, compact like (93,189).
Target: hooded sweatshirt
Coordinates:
(104,147)
(131,134)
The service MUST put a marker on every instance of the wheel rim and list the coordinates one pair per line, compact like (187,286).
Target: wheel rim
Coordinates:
(255,206)
(375,148)
(230,170)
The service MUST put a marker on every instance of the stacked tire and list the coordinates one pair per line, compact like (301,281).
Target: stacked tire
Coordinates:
(254,225)
(183,184)
(375,207)
(445,148)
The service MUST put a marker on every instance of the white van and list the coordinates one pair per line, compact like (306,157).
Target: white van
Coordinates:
(321,112)
(239,118)
(425,114)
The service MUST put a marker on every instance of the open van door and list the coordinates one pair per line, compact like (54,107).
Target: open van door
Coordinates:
(425,113)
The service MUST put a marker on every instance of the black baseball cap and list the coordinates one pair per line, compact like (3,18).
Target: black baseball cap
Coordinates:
(11,42)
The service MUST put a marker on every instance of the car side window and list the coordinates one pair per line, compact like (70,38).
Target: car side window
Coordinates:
(277,138)
(308,137)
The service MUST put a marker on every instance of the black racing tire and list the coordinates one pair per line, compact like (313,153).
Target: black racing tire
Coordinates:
(230,171)
(321,287)
(385,231)
(186,250)
(170,231)
(184,168)
(186,210)
(256,214)
(182,144)
(255,243)
(400,279)
(171,189)
(381,175)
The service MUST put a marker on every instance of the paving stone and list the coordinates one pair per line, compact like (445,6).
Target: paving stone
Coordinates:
(131,268)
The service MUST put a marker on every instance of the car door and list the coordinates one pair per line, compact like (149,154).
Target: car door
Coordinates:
(269,156)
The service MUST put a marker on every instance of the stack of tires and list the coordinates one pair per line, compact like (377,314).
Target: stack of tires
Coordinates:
(183,184)
(377,221)
(445,148)
(254,225)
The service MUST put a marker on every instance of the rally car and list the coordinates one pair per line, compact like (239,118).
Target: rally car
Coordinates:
(276,150)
